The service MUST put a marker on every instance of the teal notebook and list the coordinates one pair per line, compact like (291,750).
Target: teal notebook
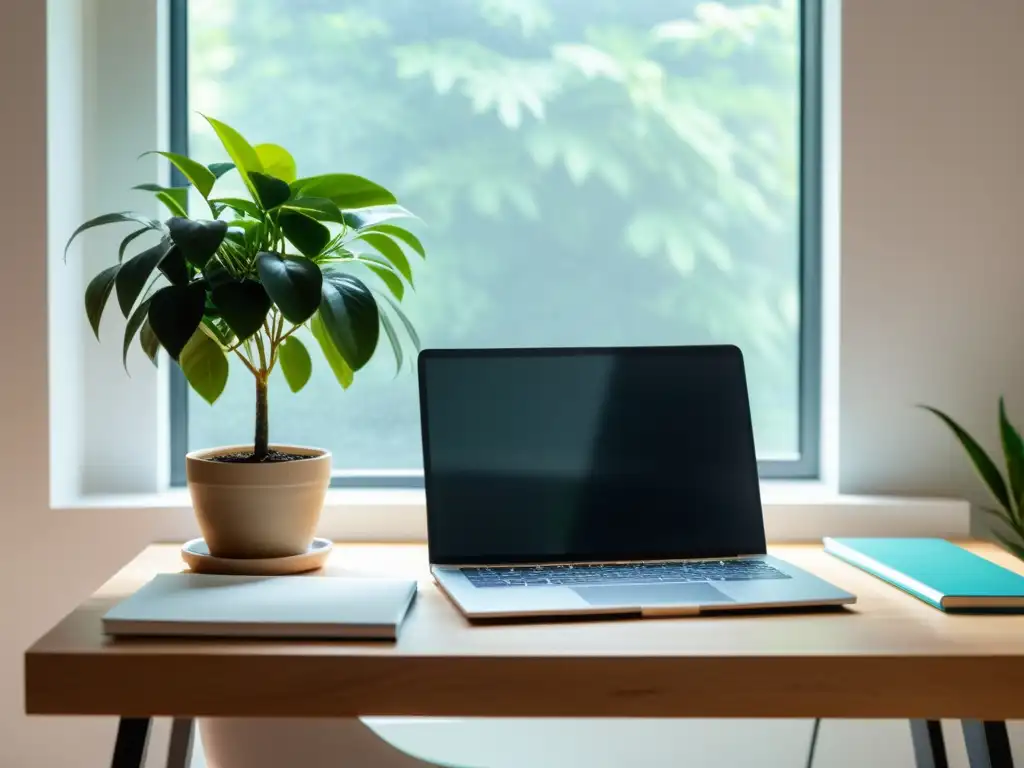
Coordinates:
(936,571)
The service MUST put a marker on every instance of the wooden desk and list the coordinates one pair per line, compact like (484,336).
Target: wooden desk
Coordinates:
(888,656)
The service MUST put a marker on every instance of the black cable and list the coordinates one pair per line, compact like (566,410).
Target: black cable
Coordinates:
(814,742)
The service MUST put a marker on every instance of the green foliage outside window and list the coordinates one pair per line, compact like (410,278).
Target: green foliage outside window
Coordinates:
(592,171)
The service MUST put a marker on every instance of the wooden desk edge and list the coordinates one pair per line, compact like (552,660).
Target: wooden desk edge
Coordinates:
(288,681)
(297,686)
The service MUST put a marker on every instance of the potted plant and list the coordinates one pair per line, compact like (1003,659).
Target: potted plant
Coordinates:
(241,283)
(1008,492)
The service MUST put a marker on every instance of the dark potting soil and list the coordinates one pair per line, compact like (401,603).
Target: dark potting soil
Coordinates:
(247,457)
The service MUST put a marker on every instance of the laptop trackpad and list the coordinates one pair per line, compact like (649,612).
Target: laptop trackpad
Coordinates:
(652,594)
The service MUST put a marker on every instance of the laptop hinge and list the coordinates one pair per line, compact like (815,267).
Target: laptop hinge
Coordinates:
(499,564)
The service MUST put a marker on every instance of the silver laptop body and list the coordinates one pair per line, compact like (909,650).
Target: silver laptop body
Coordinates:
(598,481)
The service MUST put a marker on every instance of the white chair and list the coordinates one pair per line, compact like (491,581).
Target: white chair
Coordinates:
(297,743)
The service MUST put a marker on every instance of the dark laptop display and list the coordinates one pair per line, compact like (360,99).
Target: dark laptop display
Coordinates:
(588,455)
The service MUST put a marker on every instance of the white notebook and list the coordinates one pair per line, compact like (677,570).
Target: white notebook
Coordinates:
(193,604)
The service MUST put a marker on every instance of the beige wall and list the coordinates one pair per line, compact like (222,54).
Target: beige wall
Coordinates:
(932,116)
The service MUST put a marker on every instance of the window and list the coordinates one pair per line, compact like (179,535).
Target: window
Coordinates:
(589,172)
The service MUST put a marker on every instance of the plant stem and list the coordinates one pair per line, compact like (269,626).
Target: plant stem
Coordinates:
(275,348)
(261,440)
(290,332)
(245,361)
(278,328)
(263,355)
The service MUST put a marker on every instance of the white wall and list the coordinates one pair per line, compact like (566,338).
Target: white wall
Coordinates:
(932,254)
(136,95)
(929,299)
(51,560)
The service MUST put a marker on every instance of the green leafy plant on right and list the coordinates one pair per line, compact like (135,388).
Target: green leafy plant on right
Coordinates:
(1008,493)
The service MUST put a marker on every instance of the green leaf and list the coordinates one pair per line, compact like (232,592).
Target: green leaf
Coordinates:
(198,239)
(134,323)
(251,232)
(96,295)
(155,187)
(391,251)
(350,316)
(367,217)
(1015,547)
(174,198)
(999,514)
(239,150)
(409,328)
(220,330)
(981,461)
(294,284)
(111,218)
(1013,450)
(254,235)
(199,175)
(217,274)
(345,189)
(385,272)
(175,313)
(219,169)
(204,365)
(246,225)
(404,235)
(319,208)
(243,305)
(306,234)
(396,344)
(239,205)
(128,240)
(277,161)
(342,372)
(295,363)
(134,274)
(149,342)
(174,267)
(170,201)
(270,192)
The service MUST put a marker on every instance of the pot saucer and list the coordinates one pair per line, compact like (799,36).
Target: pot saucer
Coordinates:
(197,555)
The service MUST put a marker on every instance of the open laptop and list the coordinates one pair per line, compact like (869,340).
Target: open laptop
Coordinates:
(598,481)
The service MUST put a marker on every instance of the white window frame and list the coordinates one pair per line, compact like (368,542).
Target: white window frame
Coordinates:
(109,432)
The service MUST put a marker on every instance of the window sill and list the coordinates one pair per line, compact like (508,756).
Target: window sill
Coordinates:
(793,511)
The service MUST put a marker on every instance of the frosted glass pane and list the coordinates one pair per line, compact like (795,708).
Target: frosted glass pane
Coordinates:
(590,172)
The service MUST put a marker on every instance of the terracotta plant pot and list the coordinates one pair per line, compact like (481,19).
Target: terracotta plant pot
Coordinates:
(258,510)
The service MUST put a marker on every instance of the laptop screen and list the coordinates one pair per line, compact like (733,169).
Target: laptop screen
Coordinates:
(588,454)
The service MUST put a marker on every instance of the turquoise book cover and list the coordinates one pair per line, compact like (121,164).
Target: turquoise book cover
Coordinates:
(935,570)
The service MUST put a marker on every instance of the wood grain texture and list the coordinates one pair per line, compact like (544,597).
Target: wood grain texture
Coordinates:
(889,656)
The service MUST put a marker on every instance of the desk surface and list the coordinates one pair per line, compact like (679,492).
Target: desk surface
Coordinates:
(888,656)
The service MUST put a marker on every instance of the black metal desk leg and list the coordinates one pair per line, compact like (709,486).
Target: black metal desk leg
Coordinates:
(130,747)
(179,753)
(988,744)
(929,746)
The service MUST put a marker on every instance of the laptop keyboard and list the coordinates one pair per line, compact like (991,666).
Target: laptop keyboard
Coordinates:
(621,574)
